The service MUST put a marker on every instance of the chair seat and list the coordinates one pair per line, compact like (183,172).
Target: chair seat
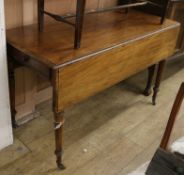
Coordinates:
(177,146)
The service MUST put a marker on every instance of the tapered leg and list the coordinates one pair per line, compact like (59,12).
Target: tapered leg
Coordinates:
(59,122)
(11,71)
(79,22)
(158,80)
(151,71)
(41,14)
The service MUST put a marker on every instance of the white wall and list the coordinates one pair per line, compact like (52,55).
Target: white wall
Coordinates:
(6,137)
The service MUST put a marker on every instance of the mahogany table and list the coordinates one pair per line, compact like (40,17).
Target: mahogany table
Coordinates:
(113,49)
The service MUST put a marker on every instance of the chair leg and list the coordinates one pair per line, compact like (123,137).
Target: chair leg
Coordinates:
(165,7)
(11,71)
(172,118)
(59,122)
(79,22)
(41,4)
(151,72)
(161,67)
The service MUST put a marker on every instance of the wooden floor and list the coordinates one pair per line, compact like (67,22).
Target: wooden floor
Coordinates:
(109,134)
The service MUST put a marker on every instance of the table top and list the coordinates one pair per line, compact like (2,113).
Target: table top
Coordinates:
(102,32)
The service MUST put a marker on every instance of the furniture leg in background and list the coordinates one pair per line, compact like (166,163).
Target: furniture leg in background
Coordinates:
(151,72)
(176,12)
(166,3)
(163,161)
(166,162)
(41,4)
(172,118)
(79,22)
(11,71)
(161,66)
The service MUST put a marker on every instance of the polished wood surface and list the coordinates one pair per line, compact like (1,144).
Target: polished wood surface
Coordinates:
(80,14)
(83,79)
(151,72)
(19,13)
(113,49)
(103,31)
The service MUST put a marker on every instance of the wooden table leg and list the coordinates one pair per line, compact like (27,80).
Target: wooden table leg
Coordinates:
(151,72)
(59,122)
(41,4)
(11,72)
(79,22)
(161,66)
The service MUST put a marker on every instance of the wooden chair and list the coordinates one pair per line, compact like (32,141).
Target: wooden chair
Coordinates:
(78,22)
(164,162)
(156,7)
(80,11)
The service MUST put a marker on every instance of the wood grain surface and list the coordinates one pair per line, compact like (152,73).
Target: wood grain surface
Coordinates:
(113,48)
(83,79)
(20,13)
(24,12)
(55,46)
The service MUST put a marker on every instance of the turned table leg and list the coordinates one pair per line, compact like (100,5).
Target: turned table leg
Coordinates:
(161,66)
(58,126)
(151,71)
(11,72)
(58,121)
(79,22)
